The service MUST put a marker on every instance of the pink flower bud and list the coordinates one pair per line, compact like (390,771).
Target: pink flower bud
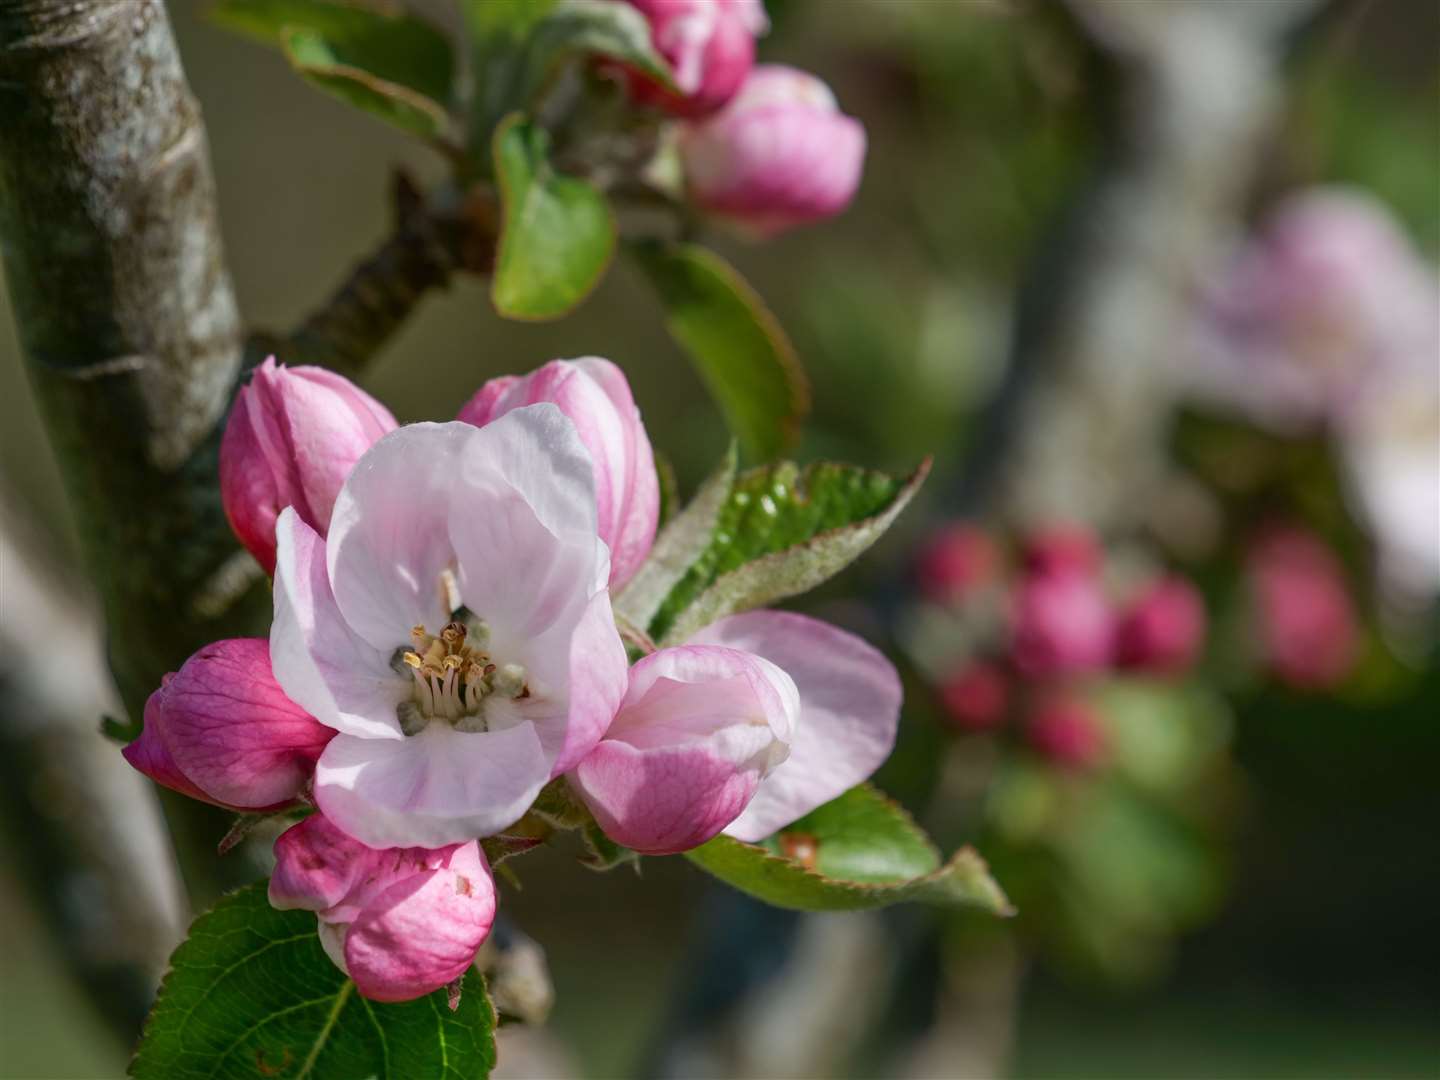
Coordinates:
(954,561)
(976,697)
(780,154)
(710,46)
(292,438)
(1062,626)
(401,922)
(221,730)
(593,393)
(1163,628)
(1062,549)
(700,727)
(1069,732)
(1307,623)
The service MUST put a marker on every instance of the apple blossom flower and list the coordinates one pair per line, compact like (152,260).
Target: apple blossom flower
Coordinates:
(975,697)
(454,627)
(754,722)
(401,922)
(221,730)
(954,561)
(1062,625)
(292,438)
(1306,621)
(1312,312)
(1162,628)
(1069,732)
(699,729)
(710,46)
(780,154)
(596,397)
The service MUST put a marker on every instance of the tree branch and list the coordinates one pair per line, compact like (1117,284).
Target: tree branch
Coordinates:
(126,317)
(430,241)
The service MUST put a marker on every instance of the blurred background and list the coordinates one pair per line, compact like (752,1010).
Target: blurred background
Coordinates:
(1129,339)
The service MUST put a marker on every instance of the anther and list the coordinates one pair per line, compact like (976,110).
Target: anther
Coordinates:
(412,659)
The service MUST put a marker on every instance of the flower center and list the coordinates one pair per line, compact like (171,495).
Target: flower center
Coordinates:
(454,676)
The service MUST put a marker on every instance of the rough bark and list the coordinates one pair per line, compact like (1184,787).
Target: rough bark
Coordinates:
(126,317)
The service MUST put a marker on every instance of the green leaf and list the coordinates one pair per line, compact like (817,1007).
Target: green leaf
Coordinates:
(390,64)
(738,347)
(781,532)
(251,993)
(677,546)
(497,30)
(858,851)
(558,234)
(597,28)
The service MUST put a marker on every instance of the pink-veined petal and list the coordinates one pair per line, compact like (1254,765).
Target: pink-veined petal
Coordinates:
(422,932)
(233,732)
(439,787)
(321,664)
(699,727)
(388,542)
(849,710)
(522,524)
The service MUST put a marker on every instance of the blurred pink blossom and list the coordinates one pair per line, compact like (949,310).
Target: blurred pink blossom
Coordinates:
(1306,621)
(954,561)
(780,154)
(1068,731)
(1162,629)
(710,46)
(976,697)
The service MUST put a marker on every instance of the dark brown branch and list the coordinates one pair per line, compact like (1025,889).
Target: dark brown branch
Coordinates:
(431,241)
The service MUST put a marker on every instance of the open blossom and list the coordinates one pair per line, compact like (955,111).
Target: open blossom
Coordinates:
(710,46)
(454,627)
(594,394)
(401,922)
(754,722)
(780,154)
(221,730)
(292,438)
(1313,312)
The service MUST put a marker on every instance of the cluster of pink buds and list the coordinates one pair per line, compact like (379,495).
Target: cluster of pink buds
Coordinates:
(1055,623)
(443,647)
(764,148)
